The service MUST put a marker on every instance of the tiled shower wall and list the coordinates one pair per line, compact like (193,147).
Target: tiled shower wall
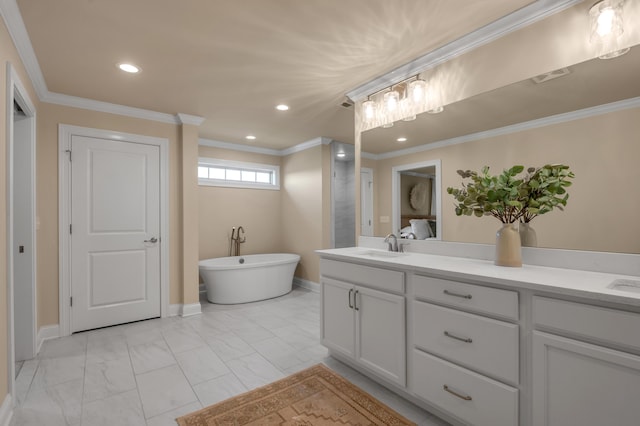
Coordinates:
(345,204)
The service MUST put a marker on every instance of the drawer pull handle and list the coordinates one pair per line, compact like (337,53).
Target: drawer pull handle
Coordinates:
(450,293)
(350,292)
(452,392)
(462,339)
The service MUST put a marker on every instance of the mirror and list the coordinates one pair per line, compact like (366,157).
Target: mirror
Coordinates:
(417,209)
(568,117)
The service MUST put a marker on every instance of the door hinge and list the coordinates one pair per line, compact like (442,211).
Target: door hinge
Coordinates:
(69,152)
(70,229)
(71,301)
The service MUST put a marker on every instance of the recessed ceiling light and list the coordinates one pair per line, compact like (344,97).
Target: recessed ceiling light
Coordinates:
(401,139)
(130,68)
(282,107)
(341,154)
(250,137)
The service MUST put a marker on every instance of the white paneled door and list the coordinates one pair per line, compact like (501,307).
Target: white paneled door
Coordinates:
(115,225)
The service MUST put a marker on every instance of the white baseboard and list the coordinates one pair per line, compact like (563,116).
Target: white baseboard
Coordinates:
(174,310)
(6,411)
(191,309)
(47,332)
(309,285)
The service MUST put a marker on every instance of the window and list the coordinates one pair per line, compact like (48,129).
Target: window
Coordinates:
(214,172)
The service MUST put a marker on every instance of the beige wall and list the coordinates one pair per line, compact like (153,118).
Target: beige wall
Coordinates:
(603,203)
(303,213)
(49,117)
(258,211)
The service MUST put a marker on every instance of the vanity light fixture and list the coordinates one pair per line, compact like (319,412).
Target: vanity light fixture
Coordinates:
(401,101)
(250,137)
(130,68)
(282,107)
(607,26)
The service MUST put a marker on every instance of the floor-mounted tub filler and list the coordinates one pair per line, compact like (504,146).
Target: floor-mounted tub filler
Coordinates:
(242,279)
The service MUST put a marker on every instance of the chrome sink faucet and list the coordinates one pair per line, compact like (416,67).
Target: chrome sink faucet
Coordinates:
(393,245)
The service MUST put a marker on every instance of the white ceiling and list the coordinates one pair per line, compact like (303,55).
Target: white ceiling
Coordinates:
(232,61)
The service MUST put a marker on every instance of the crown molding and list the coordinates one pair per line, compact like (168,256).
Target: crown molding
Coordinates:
(189,119)
(90,104)
(519,19)
(238,147)
(305,145)
(257,150)
(18,32)
(515,128)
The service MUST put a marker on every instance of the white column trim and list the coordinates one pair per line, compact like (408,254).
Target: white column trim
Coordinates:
(189,119)
(65,132)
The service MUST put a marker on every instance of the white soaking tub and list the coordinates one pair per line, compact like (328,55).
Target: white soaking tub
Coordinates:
(242,279)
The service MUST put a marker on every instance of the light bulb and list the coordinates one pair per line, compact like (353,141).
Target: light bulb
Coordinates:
(417,91)
(369,110)
(605,22)
(391,100)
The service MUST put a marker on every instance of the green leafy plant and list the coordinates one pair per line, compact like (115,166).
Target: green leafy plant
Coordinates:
(546,190)
(509,197)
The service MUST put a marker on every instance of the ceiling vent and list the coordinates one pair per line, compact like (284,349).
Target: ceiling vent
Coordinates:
(551,75)
(346,103)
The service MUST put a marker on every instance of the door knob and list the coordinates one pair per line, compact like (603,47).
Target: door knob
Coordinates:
(152,240)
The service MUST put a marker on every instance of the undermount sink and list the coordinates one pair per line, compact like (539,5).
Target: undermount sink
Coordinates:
(632,286)
(381,254)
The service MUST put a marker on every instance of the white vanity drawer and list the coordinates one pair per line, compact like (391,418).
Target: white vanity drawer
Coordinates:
(484,344)
(493,301)
(607,325)
(480,401)
(369,276)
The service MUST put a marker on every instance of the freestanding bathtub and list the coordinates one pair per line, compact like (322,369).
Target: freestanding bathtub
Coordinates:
(242,279)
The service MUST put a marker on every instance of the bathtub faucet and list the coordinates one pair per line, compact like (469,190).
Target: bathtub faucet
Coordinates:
(236,239)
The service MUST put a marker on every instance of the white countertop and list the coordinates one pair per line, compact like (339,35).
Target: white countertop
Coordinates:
(571,282)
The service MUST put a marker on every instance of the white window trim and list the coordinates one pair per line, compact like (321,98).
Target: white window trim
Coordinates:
(215,162)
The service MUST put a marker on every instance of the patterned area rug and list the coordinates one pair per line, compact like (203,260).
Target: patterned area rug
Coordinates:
(316,396)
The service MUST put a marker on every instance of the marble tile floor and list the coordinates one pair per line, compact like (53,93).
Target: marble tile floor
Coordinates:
(150,372)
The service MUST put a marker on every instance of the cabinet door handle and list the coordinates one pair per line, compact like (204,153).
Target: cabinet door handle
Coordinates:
(450,293)
(452,392)
(462,339)
(355,300)
(350,305)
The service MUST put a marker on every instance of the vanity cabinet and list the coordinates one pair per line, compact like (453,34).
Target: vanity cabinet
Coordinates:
(465,363)
(361,321)
(481,346)
(586,371)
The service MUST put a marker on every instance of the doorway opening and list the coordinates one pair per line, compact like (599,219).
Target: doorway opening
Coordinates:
(21,226)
